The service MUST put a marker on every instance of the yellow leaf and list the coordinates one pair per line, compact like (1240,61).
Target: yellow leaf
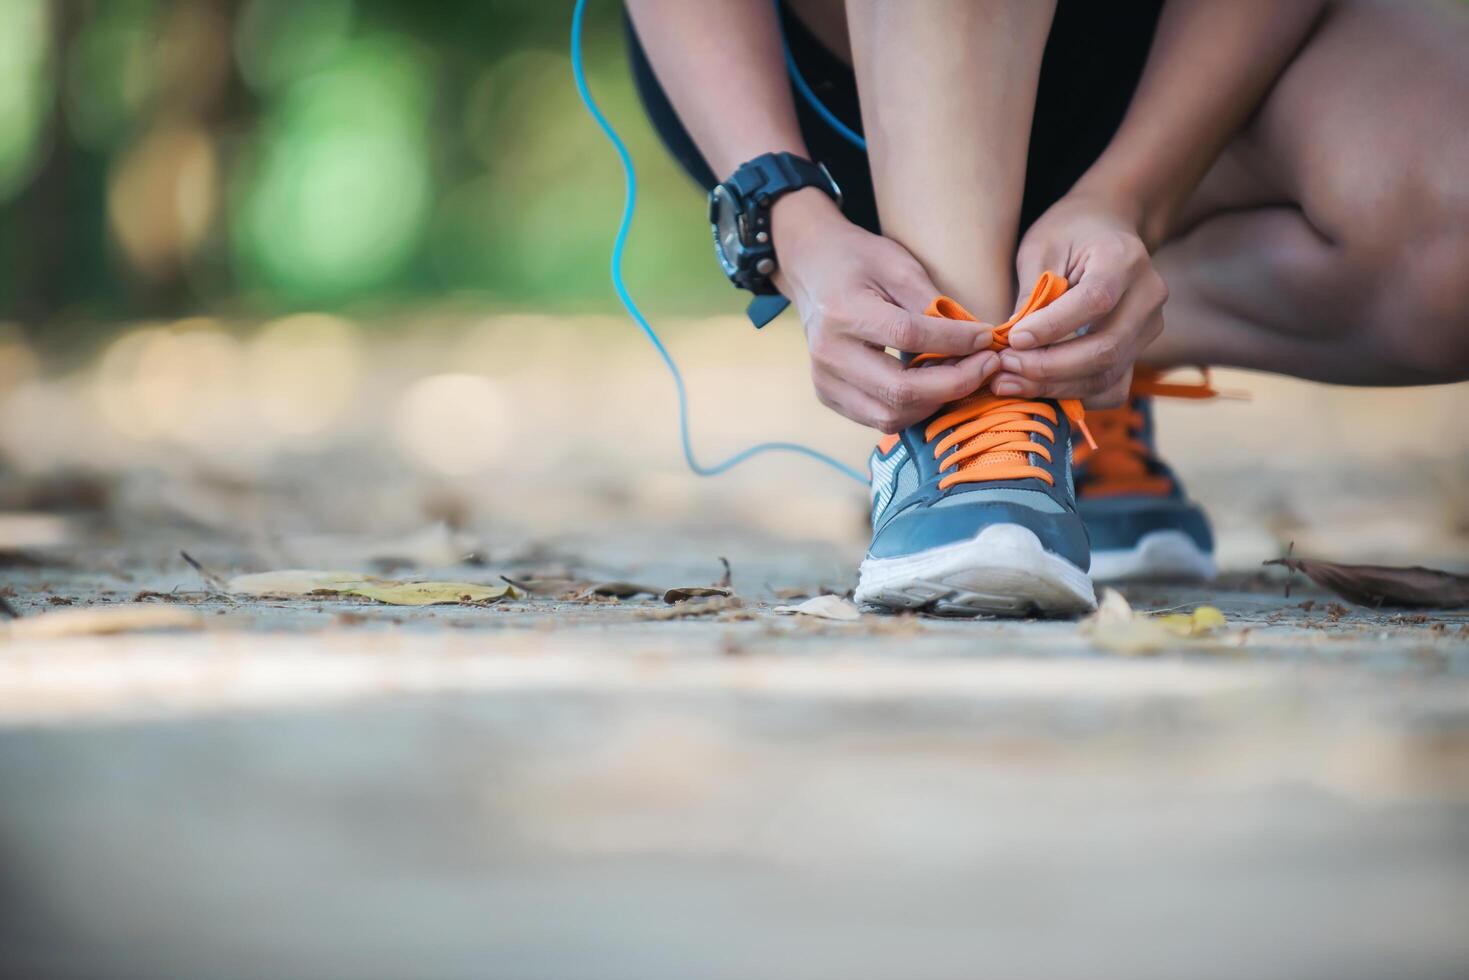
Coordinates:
(1204,619)
(431,593)
(1115,626)
(297,581)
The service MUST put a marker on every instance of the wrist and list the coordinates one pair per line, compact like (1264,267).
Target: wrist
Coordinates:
(1149,214)
(799,219)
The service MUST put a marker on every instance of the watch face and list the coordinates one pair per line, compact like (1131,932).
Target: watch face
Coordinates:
(726,230)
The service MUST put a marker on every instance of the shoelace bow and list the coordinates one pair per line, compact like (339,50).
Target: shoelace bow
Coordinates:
(991,437)
(1120,462)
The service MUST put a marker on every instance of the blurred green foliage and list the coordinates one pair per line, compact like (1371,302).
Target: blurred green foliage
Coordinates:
(158,156)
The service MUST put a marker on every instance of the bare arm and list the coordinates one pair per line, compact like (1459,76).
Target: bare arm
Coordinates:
(721,63)
(1210,66)
(705,52)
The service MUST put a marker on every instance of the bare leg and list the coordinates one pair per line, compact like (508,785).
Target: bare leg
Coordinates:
(1332,239)
(948,91)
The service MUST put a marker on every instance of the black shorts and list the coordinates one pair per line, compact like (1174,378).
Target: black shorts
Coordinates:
(1094,57)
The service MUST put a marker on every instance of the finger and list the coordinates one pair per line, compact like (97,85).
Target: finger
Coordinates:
(889,326)
(1017,386)
(1114,395)
(1030,264)
(1111,345)
(1089,301)
(915,393)
(847,400)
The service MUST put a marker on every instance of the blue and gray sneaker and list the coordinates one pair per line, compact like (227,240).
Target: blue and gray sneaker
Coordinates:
(1142,524)
(974,510)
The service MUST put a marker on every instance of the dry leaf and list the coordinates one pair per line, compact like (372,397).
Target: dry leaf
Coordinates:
(694,607)
(1204,619)
(825,607)
(297,581)
(693,592)
(432,593)
(1379,585)
(556,586)
(125,617)
(618,590)
(571,588)
(1115,626)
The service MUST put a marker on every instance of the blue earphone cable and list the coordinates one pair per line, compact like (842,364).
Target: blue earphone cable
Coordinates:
(619,245)
(842,129)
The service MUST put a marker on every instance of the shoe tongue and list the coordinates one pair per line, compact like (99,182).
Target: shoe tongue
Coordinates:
(1047,289)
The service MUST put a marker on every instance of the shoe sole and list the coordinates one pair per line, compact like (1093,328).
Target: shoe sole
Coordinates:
(1002,571)
(1170,556)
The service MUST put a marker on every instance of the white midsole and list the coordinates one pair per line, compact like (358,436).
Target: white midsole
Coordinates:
(1157,555)
(1003,560)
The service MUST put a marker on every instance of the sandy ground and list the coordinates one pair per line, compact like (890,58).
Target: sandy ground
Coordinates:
(547,788)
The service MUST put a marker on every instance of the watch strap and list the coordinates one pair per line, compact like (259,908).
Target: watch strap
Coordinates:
(763,309)
(772,174)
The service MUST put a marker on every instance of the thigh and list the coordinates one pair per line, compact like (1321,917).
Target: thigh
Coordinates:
(1366,129)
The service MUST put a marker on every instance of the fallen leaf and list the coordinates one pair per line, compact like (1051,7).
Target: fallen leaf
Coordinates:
(126,617)
(294,582)
(297,581)
(790,592)
(618,590)
(432,593)
(825,607)
(1116,626)
(1204,619)
(696,606)
(556,586)
(693,592)
(1380,585)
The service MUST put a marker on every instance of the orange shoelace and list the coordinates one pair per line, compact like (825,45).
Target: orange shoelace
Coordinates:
(1118,465)
(992,435)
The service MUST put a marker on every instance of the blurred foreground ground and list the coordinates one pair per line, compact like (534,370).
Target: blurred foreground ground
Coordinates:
(543,788)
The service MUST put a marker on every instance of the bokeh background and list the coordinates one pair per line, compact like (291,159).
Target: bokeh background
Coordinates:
(255,156)
(273,268)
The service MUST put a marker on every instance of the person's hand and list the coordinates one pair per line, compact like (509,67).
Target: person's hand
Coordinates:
(857,294)
(1115,293)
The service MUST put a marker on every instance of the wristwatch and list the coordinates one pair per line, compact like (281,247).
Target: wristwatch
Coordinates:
(739,211)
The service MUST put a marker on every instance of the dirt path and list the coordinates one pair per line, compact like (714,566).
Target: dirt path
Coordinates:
(540,787)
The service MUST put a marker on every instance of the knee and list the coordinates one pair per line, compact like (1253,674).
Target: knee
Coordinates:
(1432,331)
(1420,312)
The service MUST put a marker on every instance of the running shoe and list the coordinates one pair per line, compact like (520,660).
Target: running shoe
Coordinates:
(1141,523)
(974,510)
